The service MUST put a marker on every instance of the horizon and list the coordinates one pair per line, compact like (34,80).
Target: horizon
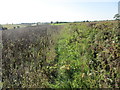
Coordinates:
(57,21)
(33,11)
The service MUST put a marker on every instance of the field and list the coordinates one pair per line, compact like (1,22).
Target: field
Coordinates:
(14,26)
(72,55)
(58,24)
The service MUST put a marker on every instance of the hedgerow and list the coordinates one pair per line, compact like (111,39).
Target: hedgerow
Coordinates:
(87,57)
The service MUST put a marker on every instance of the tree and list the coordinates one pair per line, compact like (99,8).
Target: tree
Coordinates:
(0,26)
(117,16)
(51,22)
(57,22)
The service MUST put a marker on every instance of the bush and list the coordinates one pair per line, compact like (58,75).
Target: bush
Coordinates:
(87,57)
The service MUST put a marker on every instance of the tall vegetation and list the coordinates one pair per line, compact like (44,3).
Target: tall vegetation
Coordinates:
(24,56)
(88,56)
(80,55)
(117,16)
(0,26)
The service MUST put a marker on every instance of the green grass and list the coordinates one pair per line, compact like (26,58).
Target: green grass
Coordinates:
(84,57)
(11,26)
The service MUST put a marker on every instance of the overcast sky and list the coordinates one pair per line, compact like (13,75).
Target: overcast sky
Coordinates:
(22,11)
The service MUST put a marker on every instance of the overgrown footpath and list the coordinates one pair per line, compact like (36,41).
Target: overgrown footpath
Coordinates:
(87,55)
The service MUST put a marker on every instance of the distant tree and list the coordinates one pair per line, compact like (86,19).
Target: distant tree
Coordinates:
(87,21)
(37,24)
(1,26)
(18,26)
(4,28)
(57,22)
(51,22)
(117,16)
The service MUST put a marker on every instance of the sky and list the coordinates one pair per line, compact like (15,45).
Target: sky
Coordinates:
(30,11)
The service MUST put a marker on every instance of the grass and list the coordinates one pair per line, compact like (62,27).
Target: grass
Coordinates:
(11,26)
(86,56)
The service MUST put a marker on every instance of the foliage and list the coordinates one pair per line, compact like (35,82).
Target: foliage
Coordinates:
(80,55)
(117,16)
(14,26)
(24,57)
(87,57)
(1,26)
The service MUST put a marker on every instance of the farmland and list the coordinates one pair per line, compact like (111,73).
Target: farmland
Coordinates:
(13,26)
(72,55)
